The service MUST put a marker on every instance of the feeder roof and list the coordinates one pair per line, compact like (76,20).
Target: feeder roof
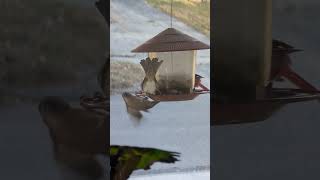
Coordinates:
(171,40)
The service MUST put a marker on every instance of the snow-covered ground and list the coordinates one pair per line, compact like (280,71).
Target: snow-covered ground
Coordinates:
(182,127)
(134,22)
(202,175)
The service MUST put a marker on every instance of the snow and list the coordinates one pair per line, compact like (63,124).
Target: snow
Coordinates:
(203,175)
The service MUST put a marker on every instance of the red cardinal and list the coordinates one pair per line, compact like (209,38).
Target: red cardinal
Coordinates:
(198,83)
(280,66)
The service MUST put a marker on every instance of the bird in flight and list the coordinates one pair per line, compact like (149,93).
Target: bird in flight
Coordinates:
(136,104)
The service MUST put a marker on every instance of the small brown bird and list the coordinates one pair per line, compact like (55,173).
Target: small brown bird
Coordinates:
(136,104)
(78,136)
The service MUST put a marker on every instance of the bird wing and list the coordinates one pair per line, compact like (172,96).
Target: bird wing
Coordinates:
(133,101)
(139,103)
(151,156)
(135,158)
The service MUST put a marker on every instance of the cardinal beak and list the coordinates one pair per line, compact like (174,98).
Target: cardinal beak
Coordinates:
(294,50)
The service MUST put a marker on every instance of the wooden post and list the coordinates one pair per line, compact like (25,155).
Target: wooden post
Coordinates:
(242,46)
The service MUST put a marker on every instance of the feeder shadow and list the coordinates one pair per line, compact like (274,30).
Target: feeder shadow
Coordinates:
(239,113)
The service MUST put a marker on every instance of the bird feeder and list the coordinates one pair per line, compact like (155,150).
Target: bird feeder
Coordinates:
(177,51)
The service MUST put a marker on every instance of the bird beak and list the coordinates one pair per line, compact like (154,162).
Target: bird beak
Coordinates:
(295,50)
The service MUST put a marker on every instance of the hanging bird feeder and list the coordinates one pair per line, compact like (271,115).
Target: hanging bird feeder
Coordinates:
(170,66)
